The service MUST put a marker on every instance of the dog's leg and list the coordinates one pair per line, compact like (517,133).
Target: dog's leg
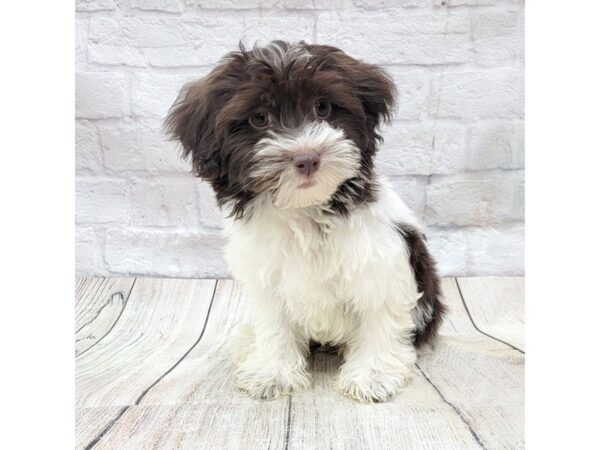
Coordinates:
(271,355)
(379,356)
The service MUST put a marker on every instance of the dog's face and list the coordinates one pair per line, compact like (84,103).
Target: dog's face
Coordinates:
(296,121)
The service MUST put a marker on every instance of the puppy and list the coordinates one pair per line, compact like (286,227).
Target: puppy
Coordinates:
(325,251)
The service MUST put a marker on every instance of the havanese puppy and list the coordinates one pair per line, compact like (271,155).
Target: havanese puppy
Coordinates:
(326,252)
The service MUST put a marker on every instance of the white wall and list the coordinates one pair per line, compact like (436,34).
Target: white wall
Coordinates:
(454,150)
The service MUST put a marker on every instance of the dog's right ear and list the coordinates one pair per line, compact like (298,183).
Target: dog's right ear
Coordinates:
(191,121)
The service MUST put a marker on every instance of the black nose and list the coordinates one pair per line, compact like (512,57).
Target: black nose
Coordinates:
(307,162)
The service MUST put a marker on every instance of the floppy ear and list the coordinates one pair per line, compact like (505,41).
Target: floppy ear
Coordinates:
(373,86)
(376,91)
(191,121)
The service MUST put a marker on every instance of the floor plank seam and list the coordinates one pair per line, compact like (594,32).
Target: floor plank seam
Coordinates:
(143,394)
(115,322)
(462,297)
(288,425)
(113,422)
(456,409)
(107,428)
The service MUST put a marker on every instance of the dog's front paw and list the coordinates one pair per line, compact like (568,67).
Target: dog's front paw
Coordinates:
(372,387)
(265,384)
(263,390)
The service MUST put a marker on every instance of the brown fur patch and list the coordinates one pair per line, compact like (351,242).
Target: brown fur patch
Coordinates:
(430,305)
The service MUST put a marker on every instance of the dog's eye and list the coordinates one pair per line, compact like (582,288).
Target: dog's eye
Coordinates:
(322,109)
(259,120)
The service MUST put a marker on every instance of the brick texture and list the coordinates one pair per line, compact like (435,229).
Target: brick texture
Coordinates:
(454,150)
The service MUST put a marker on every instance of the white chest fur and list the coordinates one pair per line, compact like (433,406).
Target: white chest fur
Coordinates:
(323,270)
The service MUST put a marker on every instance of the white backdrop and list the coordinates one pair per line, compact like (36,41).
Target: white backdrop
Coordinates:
(454,150)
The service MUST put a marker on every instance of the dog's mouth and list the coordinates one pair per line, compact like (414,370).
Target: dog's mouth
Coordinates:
(308,183)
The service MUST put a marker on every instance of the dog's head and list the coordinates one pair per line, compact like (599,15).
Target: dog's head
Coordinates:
(296,121)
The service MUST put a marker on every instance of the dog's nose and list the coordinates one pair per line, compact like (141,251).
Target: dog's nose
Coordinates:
(307,162)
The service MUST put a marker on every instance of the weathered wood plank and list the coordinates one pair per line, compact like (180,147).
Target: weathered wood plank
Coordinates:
(468,392)
(483,379)
(90,421)
(98,305)
(161,322)
(195,405)
(497,306)
(215,425)
(486,387)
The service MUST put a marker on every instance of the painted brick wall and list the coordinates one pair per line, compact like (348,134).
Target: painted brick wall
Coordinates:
(454,151)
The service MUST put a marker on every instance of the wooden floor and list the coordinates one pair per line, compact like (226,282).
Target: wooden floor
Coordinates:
(153,371)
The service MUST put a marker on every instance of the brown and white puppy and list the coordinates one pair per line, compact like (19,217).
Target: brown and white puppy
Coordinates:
(286,135)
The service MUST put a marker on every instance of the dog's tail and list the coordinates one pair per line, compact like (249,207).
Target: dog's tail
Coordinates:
(430,309)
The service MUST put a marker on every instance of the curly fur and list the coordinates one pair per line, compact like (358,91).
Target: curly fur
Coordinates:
(334,256)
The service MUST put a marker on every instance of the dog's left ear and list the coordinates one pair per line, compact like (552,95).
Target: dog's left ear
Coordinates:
(376,91)
(373,86)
